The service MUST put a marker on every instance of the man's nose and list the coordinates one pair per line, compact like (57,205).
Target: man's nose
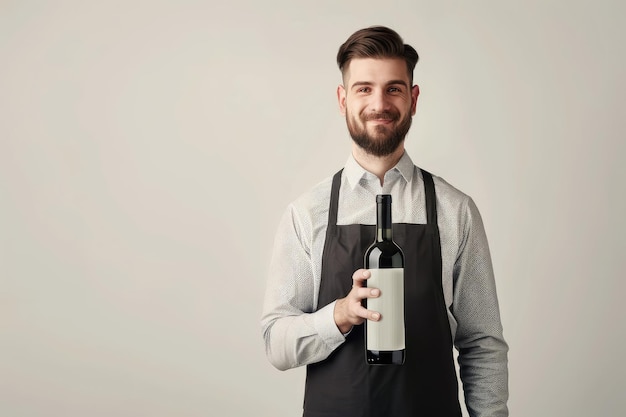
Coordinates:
(380,102)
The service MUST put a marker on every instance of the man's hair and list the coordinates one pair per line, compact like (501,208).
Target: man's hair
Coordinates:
(376,42)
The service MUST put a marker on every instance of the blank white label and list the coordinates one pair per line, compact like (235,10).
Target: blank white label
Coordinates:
(388,332)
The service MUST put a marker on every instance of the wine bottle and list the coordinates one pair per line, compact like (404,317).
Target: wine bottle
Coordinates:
(385,339)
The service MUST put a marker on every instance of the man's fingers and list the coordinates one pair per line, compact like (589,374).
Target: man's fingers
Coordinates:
(359,276)
(368,314)
(359,293)
(364,292)
(349,311)
(361,311)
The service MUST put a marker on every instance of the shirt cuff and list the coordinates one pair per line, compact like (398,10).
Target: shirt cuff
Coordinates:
(324,321)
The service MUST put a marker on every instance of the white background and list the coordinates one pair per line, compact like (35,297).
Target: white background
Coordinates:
(148,149)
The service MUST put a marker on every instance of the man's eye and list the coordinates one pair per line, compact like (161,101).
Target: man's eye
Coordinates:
(394,90)
(363,90)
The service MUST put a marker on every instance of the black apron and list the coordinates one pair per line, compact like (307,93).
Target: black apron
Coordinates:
(344,385)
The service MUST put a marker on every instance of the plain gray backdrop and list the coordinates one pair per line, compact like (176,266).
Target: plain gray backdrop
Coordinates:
(148,149)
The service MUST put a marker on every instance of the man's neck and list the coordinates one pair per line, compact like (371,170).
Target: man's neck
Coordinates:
(377,165)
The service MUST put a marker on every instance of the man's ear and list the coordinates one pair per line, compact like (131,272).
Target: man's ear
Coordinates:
(415,92)
(341,98)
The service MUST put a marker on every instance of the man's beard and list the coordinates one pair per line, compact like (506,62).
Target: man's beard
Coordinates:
(387,139)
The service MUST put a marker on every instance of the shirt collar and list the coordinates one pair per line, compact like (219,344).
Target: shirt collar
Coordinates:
(354,172)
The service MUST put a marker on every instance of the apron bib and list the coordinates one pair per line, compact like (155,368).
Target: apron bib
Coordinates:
(344,385)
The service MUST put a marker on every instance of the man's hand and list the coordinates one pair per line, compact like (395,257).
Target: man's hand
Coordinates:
(349,311)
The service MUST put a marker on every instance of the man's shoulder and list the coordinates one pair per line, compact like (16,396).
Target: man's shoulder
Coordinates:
(314,202)
(448,194)
(453,204)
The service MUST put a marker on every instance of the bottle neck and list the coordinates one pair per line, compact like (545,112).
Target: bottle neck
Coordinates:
(383,221)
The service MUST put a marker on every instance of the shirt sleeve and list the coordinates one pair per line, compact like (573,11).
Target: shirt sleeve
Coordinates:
(479,340)
(294,333)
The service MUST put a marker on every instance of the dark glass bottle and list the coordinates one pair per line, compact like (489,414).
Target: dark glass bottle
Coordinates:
(385,339)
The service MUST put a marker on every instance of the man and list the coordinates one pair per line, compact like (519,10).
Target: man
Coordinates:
(313,313)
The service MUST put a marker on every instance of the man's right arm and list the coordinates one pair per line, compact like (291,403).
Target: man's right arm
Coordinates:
(295,334)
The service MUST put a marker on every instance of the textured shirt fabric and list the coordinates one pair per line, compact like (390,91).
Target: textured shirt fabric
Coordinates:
(297,333)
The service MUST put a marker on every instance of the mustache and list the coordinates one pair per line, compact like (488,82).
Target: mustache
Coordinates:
(386,115)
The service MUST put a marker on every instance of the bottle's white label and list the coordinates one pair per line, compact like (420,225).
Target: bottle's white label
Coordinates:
(388,332)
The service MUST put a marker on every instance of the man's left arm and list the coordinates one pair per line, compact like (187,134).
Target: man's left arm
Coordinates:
(482,348)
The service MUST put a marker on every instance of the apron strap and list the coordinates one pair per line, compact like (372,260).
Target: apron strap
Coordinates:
(334,202)
(431,199)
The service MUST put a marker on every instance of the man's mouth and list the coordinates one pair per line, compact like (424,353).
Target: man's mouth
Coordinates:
(381,118)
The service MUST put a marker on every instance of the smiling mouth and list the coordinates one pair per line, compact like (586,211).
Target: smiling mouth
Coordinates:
(380,122)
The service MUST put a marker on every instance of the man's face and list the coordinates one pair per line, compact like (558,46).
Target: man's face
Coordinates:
(378,102)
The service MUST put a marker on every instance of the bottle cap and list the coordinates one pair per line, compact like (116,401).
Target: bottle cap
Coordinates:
(383,198)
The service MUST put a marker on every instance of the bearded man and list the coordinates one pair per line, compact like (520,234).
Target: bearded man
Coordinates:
(314,312)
